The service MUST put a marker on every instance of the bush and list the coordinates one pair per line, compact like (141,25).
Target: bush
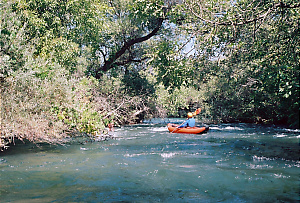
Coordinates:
(48,104)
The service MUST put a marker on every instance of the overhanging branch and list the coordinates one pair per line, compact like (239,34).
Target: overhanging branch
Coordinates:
(112,59)
(243,21)
(122,63)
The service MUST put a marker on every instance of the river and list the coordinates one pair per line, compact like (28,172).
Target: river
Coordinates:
(146,163)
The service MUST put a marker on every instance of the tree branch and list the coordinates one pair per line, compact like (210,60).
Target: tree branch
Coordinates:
(130,60)
(112,59)
(243,21)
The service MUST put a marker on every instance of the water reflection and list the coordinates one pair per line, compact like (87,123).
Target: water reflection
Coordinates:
(146,163)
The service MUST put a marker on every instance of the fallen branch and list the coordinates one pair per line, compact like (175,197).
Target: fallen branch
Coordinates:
(110,113)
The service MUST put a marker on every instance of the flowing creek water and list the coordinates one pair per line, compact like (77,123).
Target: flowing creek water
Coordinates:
(146,163)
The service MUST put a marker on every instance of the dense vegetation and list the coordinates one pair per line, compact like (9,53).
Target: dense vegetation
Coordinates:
(71,67)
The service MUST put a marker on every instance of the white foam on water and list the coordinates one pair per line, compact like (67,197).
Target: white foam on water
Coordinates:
(292,130)
(168,155)
(139,154)
(280,135)
(262,158)
(132,155)
(233,128)
(161,129)
(214,128)
(258,166)
(187,166)
(84,149)
(280,176)
(132,138)
(226,128)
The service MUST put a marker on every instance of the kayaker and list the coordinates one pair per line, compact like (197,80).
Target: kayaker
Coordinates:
(190,122)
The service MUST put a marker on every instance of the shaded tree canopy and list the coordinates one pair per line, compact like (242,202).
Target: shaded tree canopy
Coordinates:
(252,48)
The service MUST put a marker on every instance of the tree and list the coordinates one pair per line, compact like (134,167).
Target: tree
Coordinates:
(131,23)
(255,46)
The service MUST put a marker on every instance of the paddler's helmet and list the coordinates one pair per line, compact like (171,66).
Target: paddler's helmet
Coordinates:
(190,115)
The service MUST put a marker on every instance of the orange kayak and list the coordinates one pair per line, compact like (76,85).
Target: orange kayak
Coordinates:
(195,130)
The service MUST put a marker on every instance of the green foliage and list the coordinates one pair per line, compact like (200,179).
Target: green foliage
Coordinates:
(171,71)
(49,108)
(57,29)
(13,42)
(146,12)
(254,46)
(80,114)
(130,25)
(173,101)
(61,51)
(135,84)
